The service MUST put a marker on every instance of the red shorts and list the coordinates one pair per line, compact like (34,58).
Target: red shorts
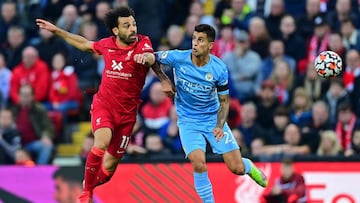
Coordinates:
(121,125)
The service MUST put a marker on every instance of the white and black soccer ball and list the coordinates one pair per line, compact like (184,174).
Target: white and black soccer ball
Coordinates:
(328,64)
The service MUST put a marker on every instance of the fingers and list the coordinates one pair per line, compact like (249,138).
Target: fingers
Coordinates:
(140,58)
(218,133)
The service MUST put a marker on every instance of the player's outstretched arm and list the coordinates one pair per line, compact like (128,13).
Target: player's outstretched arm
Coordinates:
(74,40)
(167,85)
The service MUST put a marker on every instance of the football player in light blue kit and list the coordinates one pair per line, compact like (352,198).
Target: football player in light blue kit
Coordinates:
(202,104)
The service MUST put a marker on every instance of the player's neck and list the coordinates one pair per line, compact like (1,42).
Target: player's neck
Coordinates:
(200,60)
(122,44)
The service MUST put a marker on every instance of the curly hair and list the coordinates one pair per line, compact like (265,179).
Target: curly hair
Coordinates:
(111,18)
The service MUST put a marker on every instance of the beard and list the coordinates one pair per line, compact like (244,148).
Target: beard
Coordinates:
(128,39)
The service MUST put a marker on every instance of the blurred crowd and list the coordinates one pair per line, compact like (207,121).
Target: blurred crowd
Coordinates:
(279,106)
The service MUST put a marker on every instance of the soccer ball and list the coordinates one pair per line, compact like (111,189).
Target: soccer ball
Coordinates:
(328,64)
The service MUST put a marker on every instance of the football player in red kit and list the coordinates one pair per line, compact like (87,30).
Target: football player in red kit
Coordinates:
(127,57)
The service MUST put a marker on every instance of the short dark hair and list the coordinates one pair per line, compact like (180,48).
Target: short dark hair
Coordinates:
(111,18)
(209,30)
(70,174)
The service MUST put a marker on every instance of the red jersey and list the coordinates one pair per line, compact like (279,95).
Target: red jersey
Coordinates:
(122,78)
(38,76)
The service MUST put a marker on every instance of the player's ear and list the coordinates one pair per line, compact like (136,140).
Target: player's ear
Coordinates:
(211,44)
(115,31)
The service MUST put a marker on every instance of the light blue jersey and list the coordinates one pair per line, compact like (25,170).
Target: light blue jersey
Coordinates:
(196,98)
(197,101)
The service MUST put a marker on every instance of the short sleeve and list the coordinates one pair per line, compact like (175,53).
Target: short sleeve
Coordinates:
(145,45)
(223,82)
(165,57)
(98,47)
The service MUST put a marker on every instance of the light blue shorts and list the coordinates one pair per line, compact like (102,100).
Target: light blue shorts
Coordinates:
(193,136)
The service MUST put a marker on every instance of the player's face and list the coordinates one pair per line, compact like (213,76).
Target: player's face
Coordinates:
(126,30)
(62,192)
(200,44)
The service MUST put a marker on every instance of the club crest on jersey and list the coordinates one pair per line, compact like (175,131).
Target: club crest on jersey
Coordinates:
(163,54)
(116,66)
(129,55)
(209,77)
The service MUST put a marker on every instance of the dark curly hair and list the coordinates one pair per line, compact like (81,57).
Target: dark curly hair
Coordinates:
(111,18)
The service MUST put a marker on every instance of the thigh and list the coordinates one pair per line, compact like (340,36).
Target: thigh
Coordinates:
(191,139)
(34,146)
(121,134)
(226,144)
(101,117)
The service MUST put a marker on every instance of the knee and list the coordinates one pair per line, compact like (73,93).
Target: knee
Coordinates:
(237,168)
(199,166)
(101,144)
(110,164)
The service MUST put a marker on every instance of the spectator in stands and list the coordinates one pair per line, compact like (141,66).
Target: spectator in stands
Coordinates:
(28,11)
(48,45)
(174,36)
(259,37)
(350,34)
(275,134)
(225,43)
(314,85)
(319,41)
(292,145)
(155,112)
(197,8)
(5,75)
(257,148)
(343,9)
(155,146)
(32,70)
(277,53)
(277,11)
(329,144)
(238,15)
(220,7)
(14,45)
(8,18)
(68,184)
(335,95)
(288,188)
(351,78)
(319,122)
(69,19)
(234,118)
(52,9)
(300,106)
(336,44)
(244,67)
(169,133)
(34,125)
(346,125)
(101,9)
(64,94)
(355,148)
(10,139)
(266,104)
(119,3)
(283,78)
(305,22)
(248,127)
(291,38)
(23,158)
(190,23)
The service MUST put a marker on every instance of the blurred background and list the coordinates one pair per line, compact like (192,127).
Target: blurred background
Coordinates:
(280,108)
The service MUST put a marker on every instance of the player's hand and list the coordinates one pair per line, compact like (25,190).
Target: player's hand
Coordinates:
(168,88)
(140,58)
(43,24)
(218,133)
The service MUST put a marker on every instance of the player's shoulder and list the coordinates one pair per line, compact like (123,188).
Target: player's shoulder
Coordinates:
(181,55)
(144,43)
(217,62)
(107,41)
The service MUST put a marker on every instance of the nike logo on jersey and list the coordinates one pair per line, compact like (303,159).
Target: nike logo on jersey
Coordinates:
(116,66)
(111,50)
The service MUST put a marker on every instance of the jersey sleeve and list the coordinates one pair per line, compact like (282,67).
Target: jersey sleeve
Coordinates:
(145,45)
(165,57)
(223,82)
(98,47)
